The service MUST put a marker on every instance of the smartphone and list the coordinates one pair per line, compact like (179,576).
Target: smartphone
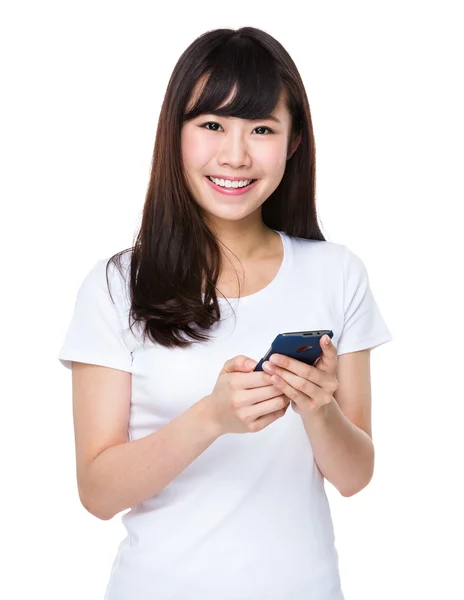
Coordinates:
(302,345)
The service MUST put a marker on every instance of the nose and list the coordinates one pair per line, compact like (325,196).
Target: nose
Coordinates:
(234,151)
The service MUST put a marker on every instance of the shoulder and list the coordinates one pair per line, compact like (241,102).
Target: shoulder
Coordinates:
(326,253)
(320,253)
(109,276)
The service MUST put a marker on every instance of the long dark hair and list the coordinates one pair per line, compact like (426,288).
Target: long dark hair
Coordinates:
(175,252)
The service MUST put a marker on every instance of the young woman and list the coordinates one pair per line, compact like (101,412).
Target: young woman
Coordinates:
(225,486)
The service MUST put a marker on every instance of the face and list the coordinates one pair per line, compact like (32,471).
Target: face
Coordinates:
(232,148)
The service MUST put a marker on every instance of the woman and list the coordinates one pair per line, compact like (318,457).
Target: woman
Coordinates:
(162,335)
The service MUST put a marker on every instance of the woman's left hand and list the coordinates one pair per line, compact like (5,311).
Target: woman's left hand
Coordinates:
(309,387)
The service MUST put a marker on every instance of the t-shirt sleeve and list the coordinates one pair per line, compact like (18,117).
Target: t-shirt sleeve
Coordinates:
(364,326)
(95,333)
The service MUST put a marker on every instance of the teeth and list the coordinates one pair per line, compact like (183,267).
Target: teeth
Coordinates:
(227,183)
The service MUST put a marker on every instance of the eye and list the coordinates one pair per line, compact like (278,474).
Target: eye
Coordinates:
(214,123)
(263,127)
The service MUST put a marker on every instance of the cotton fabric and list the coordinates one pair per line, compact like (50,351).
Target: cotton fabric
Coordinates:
(249,518)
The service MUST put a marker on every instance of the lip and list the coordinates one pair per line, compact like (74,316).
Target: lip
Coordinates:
(231,178)
(231,191)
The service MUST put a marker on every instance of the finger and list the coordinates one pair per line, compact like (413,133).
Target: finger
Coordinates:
(321,383)
(239,363)
(295,366)
(327,360)
(329,349)
(244,377)
(296,387)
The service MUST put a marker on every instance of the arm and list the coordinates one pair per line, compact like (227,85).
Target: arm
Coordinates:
(129,473)
(343,452)
(115,474)
(340,432)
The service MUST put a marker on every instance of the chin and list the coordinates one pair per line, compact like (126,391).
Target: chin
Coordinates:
(230,213)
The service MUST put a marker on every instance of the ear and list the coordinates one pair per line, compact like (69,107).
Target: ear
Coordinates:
(294,145)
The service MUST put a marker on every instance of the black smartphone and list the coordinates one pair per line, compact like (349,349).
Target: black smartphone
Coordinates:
(302,345)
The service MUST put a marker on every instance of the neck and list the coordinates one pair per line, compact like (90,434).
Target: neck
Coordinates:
(242,242)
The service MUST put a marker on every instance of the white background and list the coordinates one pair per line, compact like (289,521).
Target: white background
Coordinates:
(83,84)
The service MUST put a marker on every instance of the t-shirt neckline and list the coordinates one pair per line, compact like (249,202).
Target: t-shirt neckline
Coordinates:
(277,283)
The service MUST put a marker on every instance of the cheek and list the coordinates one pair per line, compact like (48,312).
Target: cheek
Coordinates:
(196,150)
(273,160)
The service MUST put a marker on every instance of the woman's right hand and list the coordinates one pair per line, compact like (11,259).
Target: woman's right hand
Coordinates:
(244,401)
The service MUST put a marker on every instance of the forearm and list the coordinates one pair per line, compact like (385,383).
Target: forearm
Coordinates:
(124,475)
(343,452)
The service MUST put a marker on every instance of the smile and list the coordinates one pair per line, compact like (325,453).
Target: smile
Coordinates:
(230,190)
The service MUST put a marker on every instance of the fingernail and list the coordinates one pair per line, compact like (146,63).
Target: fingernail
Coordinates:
(250,363)
(277,360)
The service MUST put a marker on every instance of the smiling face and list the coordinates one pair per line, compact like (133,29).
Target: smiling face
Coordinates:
(229,147)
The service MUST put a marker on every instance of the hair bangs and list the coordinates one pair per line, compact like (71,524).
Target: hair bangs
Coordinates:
(242,82)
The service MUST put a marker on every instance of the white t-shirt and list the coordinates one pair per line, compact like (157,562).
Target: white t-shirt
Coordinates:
(249,518)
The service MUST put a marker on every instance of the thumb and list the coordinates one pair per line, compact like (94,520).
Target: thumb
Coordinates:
(240,363)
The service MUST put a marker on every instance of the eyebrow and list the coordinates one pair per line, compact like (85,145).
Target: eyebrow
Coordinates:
(268,118)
